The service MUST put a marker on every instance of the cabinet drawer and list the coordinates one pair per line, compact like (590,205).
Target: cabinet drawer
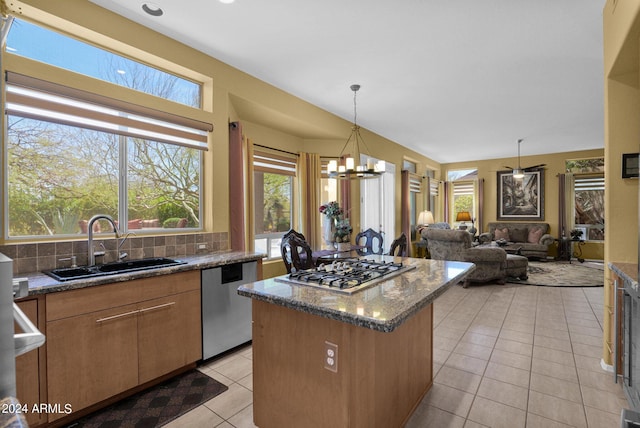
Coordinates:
(92,357)
(91,299)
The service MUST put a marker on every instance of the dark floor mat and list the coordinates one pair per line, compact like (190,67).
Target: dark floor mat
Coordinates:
(157,405)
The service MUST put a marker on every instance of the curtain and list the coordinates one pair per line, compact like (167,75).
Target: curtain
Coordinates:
(236,188)
(309,182)
(241,218)
(480,194)
(405,209)
(445,206)
(567,203)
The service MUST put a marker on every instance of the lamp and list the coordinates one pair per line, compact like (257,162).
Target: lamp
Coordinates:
(348,168)
(425,218)
(463,216)
(518,173)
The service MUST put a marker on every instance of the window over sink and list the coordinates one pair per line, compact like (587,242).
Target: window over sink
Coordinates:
(72,153)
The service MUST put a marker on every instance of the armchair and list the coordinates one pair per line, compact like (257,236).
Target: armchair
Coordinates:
(447,244)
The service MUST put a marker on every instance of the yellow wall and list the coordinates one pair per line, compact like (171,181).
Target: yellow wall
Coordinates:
(622,130)
(555,164)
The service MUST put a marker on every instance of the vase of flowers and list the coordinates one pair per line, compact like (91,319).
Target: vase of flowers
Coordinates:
(332,212)
(576,234)
(342,234)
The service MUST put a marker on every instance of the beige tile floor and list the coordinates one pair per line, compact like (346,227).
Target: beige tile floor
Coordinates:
(504,356)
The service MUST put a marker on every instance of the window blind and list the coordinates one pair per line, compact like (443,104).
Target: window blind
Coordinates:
(38,99)
(275,164)
(588,183)
(464,188)
(415,183)
(433,187)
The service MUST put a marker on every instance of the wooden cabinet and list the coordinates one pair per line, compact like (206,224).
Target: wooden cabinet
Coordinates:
(29,369)
(167,338)
(107,339)
(92,357)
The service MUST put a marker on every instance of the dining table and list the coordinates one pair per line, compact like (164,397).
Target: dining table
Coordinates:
(329,255)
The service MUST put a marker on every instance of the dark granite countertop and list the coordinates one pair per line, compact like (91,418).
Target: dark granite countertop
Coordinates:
(382,307)
(39,283)
(627,271)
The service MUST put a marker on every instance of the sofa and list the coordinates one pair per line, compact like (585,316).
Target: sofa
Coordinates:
(448,244)
(531,240)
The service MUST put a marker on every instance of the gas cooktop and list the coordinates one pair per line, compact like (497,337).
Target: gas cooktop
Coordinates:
(347,276)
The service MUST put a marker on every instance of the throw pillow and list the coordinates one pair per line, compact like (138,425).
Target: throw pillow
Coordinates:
(501,234)
(519,235)
(535,234)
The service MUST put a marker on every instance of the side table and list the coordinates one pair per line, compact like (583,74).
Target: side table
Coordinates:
(422,250)
(577,249)
(567,250)
(564,249)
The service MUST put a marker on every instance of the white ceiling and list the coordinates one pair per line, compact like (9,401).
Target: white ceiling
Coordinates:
(453,80)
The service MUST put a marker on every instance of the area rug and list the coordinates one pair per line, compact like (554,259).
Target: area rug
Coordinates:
(562,274)
(157,405)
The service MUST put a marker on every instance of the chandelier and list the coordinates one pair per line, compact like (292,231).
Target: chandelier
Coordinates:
(347,169)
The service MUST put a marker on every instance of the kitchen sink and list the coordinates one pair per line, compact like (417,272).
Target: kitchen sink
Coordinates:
(67,274)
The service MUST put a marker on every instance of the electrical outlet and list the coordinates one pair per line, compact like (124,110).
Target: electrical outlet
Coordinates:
(331,356)
(203,246)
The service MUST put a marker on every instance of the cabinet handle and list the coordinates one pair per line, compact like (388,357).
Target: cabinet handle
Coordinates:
(153,308)
(125,314)
(615,338)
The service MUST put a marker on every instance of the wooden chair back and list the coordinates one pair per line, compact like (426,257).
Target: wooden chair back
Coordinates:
(371,240)
(296,252)
(400,244)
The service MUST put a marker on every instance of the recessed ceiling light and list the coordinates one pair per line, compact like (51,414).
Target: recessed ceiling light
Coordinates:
(152,9)
(226,1)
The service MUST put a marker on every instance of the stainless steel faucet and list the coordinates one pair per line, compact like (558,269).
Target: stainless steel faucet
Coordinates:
(91,259)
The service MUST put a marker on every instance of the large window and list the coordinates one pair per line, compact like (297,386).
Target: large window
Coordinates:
(40,44)
(585,187)
(589,206)
(60,176)
(72,154)
(463,192)
(273,200)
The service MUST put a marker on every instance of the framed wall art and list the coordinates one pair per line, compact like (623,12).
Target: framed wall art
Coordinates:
(630,165)
(521,199)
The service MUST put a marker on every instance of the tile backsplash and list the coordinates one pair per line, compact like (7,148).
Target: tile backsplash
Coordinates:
(36,257)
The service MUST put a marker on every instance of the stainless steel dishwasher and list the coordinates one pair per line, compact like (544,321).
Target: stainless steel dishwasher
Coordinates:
(226,316)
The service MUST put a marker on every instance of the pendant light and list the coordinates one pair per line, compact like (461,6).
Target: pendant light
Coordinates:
(518,173)
(348,168)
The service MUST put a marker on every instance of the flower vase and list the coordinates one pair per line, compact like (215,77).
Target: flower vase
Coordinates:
(344,246)
(328,230)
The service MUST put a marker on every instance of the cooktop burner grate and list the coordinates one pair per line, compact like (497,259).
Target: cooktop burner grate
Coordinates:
(347,276)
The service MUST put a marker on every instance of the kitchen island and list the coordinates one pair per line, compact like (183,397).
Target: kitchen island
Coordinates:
(322,358)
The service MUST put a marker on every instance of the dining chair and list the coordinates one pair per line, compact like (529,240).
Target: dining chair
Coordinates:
(400,244)
(293,232)
(371,241)
(296,252)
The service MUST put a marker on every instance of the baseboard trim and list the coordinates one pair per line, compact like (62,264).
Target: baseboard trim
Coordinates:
(605,366)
